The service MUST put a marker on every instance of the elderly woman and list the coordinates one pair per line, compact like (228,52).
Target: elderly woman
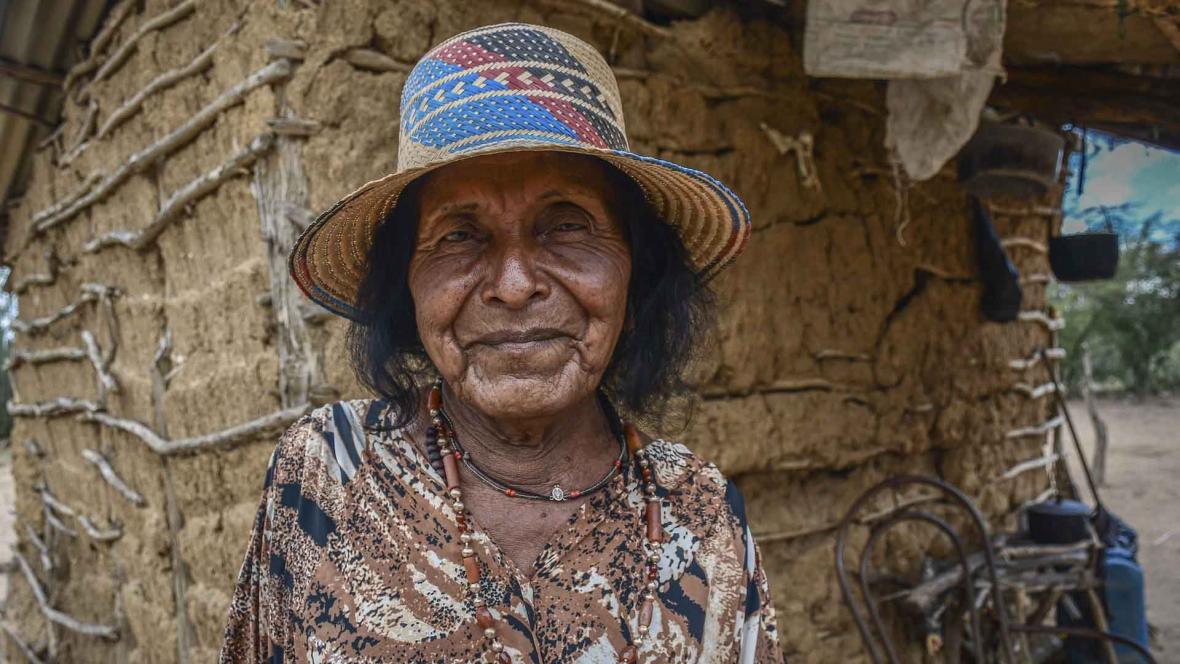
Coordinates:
(519,282)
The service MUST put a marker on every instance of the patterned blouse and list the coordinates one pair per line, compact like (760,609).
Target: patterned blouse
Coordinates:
(355,557)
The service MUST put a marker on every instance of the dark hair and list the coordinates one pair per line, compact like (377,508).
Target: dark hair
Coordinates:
(669,312)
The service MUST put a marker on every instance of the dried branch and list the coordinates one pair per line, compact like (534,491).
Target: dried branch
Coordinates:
(57,524)
(52,138)
(1039,317)
(35,279)
(27,651)
(179,137)
(63,619)
(1025,466)
(1035,392)
(99,44)
(39,324)
(1025,242)
(794,385)
(134,103)
(225,438)
(91,181)
(160,21)
(289,49)
(370,60)
(96,533)
(53,503)
(34,448)
(58,406)
(108,473)
(616,13)
(42,549)
(182,198)
(61,354)
(1035,359)
(53,506)
(293,126)
(106,382)
(84,130)
(1038,430)
(90,293)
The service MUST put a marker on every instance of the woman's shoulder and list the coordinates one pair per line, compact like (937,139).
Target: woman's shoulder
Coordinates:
(695,482)
(328,440)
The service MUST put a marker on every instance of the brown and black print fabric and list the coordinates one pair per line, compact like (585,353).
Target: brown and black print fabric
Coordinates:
(355,557)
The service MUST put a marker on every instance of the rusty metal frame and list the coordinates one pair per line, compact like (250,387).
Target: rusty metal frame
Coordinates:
(877,642)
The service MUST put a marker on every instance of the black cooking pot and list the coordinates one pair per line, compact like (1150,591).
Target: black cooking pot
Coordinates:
(1058,521)
(1085,256)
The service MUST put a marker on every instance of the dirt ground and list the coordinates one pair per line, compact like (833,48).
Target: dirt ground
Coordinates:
(1143,487)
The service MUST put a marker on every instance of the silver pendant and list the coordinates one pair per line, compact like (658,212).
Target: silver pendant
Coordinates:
(557,494)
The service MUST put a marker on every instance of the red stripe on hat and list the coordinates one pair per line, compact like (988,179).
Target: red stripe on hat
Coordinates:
(467,55)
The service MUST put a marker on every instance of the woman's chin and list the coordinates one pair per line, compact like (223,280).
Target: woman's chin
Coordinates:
(526,396)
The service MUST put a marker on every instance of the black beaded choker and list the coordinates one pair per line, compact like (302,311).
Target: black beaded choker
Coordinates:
(557,493)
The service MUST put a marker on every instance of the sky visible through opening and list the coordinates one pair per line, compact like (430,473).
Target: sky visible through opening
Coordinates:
(1119,172)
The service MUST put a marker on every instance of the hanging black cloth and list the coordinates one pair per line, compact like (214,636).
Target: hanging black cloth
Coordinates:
(1001,282)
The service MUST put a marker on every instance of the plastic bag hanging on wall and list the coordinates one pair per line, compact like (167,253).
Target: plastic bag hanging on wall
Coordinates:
(942,57)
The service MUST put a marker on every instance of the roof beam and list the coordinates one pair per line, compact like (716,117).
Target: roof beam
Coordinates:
(24,72)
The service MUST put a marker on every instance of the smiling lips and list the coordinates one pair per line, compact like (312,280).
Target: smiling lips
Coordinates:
(520,340)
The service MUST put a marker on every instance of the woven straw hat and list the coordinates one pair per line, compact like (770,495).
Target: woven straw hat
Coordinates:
(503,88)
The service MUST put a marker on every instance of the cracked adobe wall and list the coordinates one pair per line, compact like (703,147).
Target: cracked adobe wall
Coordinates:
(149,250)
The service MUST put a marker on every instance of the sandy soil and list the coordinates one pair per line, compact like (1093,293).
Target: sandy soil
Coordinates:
(1143,487)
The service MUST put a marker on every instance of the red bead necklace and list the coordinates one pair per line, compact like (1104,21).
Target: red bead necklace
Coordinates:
(483,616)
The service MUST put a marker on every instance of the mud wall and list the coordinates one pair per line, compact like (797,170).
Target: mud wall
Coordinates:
(161,348)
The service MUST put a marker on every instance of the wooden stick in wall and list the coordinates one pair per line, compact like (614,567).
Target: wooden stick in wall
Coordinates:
(134,103)
(51,407)
(179,201)
(61,354)
(99,44)
(224,438)
(160,21)
(25,649)
(182,135)
(108,473)
(42,549)
(106,382)
(65,620)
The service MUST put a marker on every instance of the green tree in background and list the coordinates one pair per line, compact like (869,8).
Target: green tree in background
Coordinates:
(1131,323)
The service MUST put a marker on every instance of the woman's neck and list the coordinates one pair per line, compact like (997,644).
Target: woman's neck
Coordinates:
(538,453)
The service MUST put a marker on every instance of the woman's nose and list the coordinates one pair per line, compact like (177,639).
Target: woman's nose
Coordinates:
(514,279)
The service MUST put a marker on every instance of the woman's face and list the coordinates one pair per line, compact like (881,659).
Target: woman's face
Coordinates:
(519,279)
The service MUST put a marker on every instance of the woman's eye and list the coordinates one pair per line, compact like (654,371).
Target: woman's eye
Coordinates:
(569,226)
(457,236)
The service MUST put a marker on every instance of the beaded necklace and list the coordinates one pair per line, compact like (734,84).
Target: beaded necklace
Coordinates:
(449,458)
(556,494)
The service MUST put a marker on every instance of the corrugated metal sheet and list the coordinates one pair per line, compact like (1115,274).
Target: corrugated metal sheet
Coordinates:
(39,41)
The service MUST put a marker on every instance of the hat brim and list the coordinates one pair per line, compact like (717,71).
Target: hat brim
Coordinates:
(330,257)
